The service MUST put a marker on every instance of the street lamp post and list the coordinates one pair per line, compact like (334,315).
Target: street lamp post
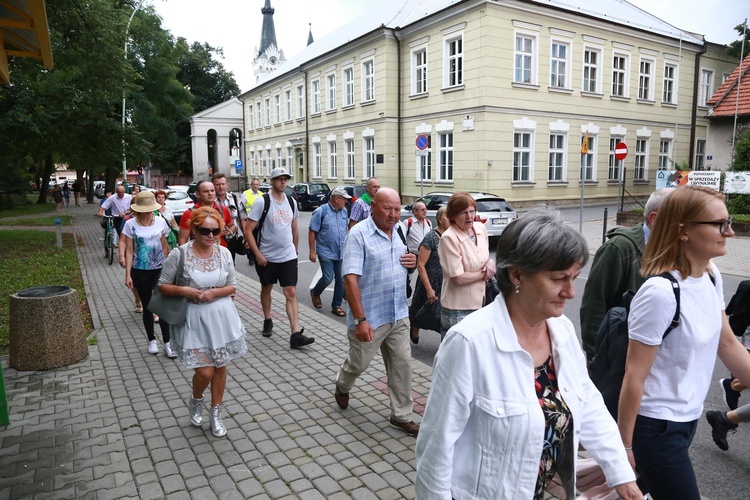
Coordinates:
(124,154)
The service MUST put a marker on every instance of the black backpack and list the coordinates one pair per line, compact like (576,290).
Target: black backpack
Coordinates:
(607,367)
(738,309)
(256,231)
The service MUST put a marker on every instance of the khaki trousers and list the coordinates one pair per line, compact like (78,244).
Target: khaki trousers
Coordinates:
(393,341)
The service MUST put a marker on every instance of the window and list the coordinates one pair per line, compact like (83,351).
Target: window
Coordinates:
(349,159)
(317,165)
(664,150)
(289,157)
(521,156)
(706,87)
(556,157)
(368,80)
(277,108)
(619,76)
(263,163)
(288,101)
(589,159)
(300,101)
(252,163)
(332,161)
(259,114)
(331,92)
(445,172)
(668,95)
(559,65)
(700,155)
(613,173)
(279,159)
(419,71)
(645,77)
(641,159)
(268,111)
(348,87)
(424,163)
(316,96)
(454,62)
(369,158)
(524,70)
(591,61)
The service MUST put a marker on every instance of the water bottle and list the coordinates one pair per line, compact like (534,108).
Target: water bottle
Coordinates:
(746,338)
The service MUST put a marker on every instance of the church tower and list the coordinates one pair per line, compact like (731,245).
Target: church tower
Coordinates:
(268,57)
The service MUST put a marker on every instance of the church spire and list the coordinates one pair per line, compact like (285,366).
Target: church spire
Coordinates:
(309,36)
(268,33)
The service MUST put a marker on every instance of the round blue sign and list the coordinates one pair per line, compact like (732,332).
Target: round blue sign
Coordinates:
(422,142)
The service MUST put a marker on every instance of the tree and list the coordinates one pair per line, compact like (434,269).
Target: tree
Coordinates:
(734,49)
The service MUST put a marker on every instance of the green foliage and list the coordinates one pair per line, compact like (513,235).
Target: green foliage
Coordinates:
(738,204)
(734,49)
(742,150)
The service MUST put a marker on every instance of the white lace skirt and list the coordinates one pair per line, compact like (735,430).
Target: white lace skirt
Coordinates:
(212,335)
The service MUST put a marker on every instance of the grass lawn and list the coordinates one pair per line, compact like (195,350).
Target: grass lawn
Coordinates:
(27,210)
(44,220)
(31,258)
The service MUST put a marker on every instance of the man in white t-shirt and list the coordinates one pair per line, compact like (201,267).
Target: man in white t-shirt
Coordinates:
(417,227)
(276,255)
(119,204)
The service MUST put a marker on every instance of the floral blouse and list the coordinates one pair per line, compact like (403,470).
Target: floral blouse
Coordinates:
(557,423)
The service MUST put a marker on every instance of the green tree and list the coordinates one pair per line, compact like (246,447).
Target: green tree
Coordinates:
(734,49)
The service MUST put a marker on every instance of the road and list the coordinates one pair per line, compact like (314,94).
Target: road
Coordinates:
(721,475)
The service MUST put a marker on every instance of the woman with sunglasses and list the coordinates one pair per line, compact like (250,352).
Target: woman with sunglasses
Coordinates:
(667,378)
(212,334)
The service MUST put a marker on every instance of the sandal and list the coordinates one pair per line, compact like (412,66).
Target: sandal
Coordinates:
(138,308)
(315,300)
(338,311)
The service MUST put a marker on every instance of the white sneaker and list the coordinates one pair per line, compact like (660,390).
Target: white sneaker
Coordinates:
(153,348)
(168,351)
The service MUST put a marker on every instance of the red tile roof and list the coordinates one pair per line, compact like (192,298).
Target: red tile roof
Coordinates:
(724,101)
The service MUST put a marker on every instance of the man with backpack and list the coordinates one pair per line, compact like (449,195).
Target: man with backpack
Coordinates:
(616,269)
(273,238)
(228,200)
(417,227)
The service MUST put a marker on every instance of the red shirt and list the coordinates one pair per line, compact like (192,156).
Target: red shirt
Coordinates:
(224,211)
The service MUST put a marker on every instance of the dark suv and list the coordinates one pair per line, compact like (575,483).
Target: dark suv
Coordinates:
(311,194)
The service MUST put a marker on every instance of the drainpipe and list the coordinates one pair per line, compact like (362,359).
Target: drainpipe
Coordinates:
(398,112)
(307,130)
(696,93)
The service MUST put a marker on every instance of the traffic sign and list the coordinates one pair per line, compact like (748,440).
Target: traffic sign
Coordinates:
(621,151)
(238,166)
(422,142)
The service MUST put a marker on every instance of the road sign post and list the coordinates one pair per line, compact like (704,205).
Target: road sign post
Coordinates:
(621,152)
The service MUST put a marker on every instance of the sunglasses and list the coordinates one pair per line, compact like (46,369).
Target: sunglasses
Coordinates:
(724,225)
(205,231)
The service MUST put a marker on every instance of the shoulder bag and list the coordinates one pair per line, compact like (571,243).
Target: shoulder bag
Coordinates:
(171,308)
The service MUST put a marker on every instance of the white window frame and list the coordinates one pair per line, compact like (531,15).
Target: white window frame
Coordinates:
(524,58)
(592,67)
(317,161)
(556,62)
(558,157)
(300,101)
(289,157)
(277,108)
(706,87)
(350,168)
(252,163)
(368,80)
(331,92)
(589,159)
(700,154)
(368,157)
(348,78)
(622,83)
(613,170)
(259,114)
(279,158)
(453,61)
(446,157)
(640,166)
(288,99)
(315,84)
(263,163)
(268,111)
(419,71)
(424,163)
(646,79)
(665,150)
(333,172)
(669,89)
(523,156)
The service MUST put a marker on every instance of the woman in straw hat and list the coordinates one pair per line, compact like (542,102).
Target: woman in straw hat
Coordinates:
(145,250)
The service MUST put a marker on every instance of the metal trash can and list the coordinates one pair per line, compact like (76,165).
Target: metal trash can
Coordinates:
(46,329)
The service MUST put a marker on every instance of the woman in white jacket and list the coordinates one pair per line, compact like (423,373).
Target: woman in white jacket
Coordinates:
(511,398)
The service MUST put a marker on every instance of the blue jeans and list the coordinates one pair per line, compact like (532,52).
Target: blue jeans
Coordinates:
(330,268)
(660,448)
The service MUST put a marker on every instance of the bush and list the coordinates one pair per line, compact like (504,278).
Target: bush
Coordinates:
(738,204)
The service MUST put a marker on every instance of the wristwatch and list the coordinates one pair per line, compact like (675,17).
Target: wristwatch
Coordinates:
(357,321)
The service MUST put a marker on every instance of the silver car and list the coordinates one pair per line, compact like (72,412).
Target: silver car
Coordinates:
(493,211)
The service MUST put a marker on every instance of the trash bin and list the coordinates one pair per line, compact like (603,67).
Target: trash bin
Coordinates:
(46,329)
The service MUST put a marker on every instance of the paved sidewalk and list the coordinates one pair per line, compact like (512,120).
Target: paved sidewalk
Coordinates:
(116,426)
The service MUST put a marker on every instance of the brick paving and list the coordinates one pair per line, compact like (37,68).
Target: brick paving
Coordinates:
(115,425)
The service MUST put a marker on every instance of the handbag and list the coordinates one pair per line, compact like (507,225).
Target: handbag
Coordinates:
(171,308)
(491,290)
(237,245)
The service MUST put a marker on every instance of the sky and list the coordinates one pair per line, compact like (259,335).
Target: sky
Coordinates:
(235,25)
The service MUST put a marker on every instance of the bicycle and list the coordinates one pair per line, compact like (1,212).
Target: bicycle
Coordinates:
(110,238)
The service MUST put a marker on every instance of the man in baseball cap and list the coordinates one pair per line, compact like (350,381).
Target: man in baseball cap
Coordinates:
(279,172)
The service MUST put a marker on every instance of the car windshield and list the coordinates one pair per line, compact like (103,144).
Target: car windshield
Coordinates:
(177,195)
(493,206)
(319,188)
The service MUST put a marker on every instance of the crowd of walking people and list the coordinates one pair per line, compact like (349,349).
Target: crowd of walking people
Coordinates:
(511,400)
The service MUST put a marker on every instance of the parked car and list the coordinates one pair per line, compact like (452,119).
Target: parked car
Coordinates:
(492,210)
(178,187)
(311,194)
(354,191)
(178,202)
(99,189)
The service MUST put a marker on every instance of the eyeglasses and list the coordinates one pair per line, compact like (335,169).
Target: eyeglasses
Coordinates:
(724,225)
(205,231)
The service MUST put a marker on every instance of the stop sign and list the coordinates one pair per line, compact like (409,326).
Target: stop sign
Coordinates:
(621,151)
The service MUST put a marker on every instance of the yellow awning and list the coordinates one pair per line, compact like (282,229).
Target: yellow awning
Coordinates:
(24,32)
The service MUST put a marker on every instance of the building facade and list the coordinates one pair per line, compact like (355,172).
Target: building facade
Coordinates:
(506,91)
